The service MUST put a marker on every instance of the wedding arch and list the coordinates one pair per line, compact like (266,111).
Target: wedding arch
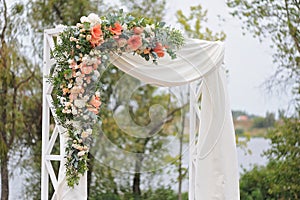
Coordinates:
(213,172)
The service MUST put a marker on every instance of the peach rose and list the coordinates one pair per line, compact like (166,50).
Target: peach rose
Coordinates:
(138,30)
(122,42)
(134,42)
(97,36)
(116,29)
(159,50)
(85,69)
(94,110)
(147,51)
(95,101)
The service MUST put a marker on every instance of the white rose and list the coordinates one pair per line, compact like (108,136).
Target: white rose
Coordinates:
(94,19)
(148,28)
(84,19)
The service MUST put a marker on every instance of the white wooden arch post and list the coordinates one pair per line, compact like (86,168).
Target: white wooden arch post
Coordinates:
(48,139)
(49,136)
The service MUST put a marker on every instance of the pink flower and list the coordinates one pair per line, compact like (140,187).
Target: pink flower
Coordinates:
(85,69)
(122,42)
(95,101)
(138,30)
(135,42)
(92,109)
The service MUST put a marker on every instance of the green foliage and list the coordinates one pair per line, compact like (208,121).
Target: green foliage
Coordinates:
(280,178)
(264,122)
(239,131)
(59,12)
(193,24)
(277,21)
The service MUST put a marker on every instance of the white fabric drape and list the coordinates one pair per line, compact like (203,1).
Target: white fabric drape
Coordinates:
(214,168)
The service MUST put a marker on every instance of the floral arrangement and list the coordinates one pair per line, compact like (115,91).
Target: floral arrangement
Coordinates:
(81,53)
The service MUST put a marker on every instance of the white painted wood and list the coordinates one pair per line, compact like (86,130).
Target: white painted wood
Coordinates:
(45,122)
(192,145)
(47,141)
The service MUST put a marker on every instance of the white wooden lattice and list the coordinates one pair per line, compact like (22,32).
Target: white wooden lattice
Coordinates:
(49,137)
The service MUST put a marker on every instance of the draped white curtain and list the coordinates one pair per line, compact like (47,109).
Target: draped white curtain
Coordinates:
(213,158)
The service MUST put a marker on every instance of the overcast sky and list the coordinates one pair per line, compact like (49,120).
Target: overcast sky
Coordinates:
(248,61)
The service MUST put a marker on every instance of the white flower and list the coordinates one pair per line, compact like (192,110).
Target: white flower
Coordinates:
(94,19)
(79,81)
(85,117)
(84,19)
(84,134)
(61,26)
(85,148)
(124,26)
(78,73)
(74,111)
(89,131)
(62,100)
(84,59)
(80,153)
(104,57)
(86,97)
(97,93)
(79,103)
(68,111)
(70,85)
(149,28)
(67,104)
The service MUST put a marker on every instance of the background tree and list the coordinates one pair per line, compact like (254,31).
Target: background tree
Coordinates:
(280,178)
(19,93)
(194,25)
(278,23)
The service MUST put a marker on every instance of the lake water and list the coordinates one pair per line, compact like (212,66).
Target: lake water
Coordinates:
(246,161)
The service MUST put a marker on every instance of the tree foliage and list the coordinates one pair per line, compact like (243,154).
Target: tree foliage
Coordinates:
(194,24)
(280,178)
(277,21)
(20,94)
